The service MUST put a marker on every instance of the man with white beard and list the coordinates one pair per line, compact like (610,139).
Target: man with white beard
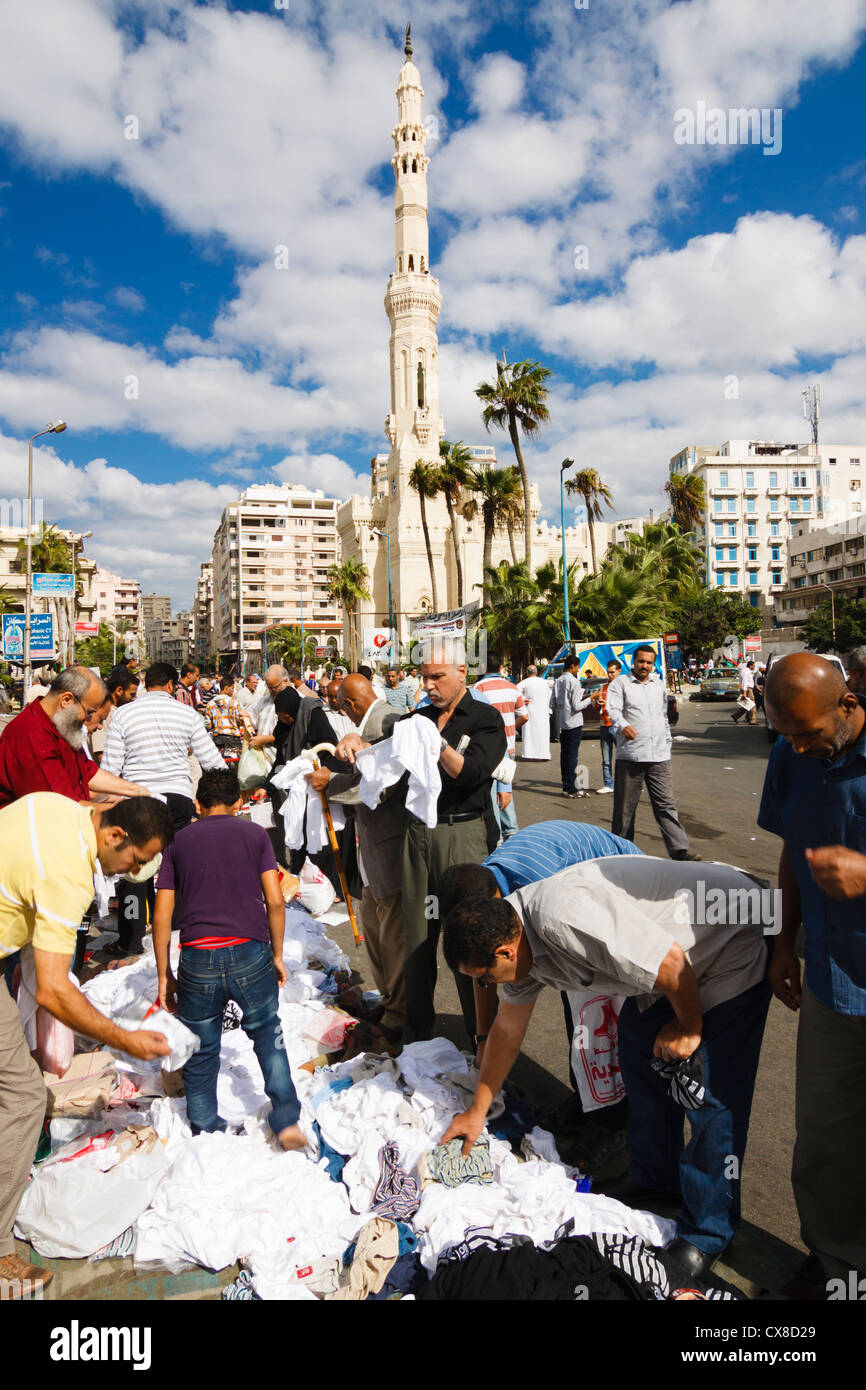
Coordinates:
(42,748)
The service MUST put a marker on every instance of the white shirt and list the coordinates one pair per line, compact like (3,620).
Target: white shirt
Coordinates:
(246,698)
(643,705)
(747,679)
(149,740)
(569,699)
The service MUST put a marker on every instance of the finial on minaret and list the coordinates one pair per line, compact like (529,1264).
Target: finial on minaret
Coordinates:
(407,48)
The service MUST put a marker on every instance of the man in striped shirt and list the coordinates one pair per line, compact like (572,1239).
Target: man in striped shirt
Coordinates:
(155,733)
(515,711)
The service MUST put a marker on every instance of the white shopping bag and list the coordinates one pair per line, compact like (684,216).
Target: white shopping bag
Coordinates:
(253,769)
(595,1048)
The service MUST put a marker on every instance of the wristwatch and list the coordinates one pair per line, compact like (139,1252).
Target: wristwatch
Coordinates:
(480,1038)
(443,744)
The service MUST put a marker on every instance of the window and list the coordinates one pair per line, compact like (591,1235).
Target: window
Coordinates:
(831,461)
(751,504)
(774,504)
(753,600)
(753,552)
(733,579)
(774,480)
(732,553)
(717,504)
(732,504)
(751,528)
(720,579)
(723,480)
(777,577)
(720,554)
(795,504)
(807,504)
(750,480)
(753,576)
(732,528)
(855,463)
(775,552)
(718,530)
(774,528)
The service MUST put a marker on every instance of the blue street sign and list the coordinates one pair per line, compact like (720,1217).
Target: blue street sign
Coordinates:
(41,635)
(53,585)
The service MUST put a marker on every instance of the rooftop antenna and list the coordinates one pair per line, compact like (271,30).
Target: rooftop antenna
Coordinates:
(812,410)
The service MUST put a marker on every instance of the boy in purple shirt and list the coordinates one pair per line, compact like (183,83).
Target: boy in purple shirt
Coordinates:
(219,887)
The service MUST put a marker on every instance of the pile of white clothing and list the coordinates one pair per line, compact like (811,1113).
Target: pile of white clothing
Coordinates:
(217,1199)
(302,811)
(413,747)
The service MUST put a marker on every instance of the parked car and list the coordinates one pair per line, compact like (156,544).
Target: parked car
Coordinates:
(772,735)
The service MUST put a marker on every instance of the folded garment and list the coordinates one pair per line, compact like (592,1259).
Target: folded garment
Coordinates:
(85,1086)
(447,1164)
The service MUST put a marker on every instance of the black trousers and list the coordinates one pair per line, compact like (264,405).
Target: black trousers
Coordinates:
(135,901)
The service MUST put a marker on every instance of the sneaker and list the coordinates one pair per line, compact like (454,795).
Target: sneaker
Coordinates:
(604,791)
(20,1280)
(570,795)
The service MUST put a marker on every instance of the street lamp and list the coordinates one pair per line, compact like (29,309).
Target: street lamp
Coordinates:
(832,609)
(56,428)
(386,537)
(566,464)
(85,536)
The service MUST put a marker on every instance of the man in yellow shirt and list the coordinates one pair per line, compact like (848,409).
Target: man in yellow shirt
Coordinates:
(49,845)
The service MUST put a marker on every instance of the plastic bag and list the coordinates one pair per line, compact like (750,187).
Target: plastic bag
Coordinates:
(327,1028)
(253,769)
(262,813)
(55,1043)
(316,891)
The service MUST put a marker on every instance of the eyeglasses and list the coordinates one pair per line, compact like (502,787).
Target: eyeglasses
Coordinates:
(89,713)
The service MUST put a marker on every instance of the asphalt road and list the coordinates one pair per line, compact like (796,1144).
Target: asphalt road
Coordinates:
(718,775)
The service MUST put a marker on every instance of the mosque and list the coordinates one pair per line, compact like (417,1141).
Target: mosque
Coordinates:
(414,427)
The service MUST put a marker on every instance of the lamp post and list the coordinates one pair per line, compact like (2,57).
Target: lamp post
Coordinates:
(85,535)
(832,609)
(387,538)
(56,428)
(566,464)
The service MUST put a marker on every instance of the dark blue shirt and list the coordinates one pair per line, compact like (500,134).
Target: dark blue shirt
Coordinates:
(810,802)
(542,850)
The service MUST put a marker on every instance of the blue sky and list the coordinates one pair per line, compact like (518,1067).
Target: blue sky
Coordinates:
(151,260)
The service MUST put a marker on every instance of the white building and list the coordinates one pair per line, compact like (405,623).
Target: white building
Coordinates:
(414,427)
(202,610)
(118,601)
(278,542)
(757,493)
(13,585)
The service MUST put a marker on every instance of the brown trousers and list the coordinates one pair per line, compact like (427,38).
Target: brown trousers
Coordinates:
(382,923)
(23,1099)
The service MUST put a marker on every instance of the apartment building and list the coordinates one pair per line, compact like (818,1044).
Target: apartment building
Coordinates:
(273,549)
(13,585)
(823,560)
(118,602)
(202,610)
(757,494)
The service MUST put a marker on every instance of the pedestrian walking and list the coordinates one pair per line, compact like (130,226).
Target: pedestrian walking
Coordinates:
(570,702)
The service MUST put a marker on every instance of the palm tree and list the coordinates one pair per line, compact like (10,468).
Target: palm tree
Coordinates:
(10,603)
(347,586)
(516,401)
(498,488)
(455,475)
(596,495)
(688,499)
(665,553)
(513,516)
(50,553)
(424,479)
(618,603)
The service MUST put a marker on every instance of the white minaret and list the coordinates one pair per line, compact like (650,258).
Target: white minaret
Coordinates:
(412,300)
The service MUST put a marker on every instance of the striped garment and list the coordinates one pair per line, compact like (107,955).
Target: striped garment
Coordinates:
(149,742)
(507,699)
(540,850)
(223,716)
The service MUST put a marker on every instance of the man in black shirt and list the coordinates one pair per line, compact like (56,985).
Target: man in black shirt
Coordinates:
(473,743)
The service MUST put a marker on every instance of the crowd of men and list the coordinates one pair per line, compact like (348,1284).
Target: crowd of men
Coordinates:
(572,906)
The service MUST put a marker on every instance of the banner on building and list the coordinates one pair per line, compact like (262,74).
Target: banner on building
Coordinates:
(378,644)
(452,624)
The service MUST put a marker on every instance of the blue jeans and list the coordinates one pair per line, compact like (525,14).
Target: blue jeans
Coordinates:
(607,742)
(507,819)
(569,752)
(206,981)
(703,1170)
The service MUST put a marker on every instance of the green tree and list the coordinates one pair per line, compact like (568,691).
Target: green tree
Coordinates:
(424,479)
(688,499)
(596,496)
(667,555)
(517,401)
(850,626)
(97,651)
(498,490)
(455,477)
(10,603)
(617,603)
(347,586)
(706,619)
(51,553)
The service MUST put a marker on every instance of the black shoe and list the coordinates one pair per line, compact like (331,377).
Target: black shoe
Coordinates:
(684,1262)
(636,1194)
(809,1284)
(687,854)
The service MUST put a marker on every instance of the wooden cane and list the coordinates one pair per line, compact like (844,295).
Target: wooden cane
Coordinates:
(332,836)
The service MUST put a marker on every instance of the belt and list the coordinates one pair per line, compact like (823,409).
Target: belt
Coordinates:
(454,816)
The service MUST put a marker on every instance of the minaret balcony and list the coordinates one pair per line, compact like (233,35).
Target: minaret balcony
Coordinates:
(422,424)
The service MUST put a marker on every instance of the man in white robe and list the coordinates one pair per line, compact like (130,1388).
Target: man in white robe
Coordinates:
(536,732)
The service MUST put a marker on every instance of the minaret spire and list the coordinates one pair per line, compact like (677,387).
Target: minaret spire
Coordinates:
(407,47)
